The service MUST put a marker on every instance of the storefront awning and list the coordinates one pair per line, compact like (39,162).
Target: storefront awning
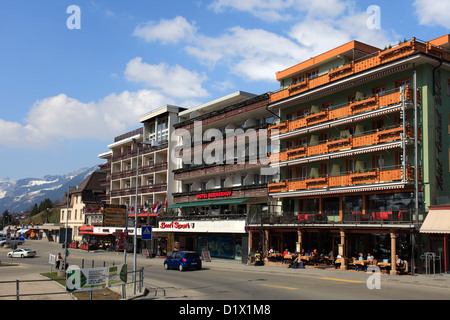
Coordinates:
(437,221)
(207,203)
(229,201)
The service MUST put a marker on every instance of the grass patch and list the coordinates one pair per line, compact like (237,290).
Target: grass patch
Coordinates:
(100,294)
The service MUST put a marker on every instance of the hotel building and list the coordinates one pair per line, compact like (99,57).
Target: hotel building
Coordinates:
(364,150)
(219,179)
(138,171)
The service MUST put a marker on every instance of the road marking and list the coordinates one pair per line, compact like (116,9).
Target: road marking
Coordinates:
(343,280)
(280,287)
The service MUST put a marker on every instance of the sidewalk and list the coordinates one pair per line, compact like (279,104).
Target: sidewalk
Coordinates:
(437,280)
(441,280)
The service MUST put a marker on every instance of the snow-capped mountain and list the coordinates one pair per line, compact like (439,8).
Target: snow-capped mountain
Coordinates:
(17,195)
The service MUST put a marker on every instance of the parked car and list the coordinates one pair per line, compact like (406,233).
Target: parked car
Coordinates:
(2,242)
(21,253)
(183,260)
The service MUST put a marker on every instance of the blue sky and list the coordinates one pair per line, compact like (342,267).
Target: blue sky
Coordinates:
(66,93)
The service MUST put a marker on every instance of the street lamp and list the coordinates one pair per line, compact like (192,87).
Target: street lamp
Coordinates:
(151,143)
(67,223)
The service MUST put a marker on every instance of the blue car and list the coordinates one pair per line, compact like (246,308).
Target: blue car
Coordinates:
(183,260)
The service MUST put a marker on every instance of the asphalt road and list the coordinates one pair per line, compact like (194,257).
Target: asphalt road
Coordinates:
(233,281)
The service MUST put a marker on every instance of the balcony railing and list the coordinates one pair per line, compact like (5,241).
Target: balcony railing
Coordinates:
(352,142)
(144,150)
(325,217)
(259,102)
(353,108)
(374,60)
(143,189)
(361,178)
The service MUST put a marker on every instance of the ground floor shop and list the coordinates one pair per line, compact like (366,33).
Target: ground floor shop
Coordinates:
(339,244)
(221,238)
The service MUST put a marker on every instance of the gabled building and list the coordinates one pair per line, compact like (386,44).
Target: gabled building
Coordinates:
(83,199)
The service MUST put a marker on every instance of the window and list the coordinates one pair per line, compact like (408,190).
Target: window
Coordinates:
(402,83)
(327,105)
(381,90)
(378,161)
(298,79)
(351,98)
(377,124)
(291,116)
(303,172)
(150,181)
(162,132)
(313,74)
(151,132)
(324,169)
(303,113)
(291,174)
(350,165)
(324,136)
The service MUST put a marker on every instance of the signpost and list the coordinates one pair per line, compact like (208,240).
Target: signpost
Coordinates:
(146,233)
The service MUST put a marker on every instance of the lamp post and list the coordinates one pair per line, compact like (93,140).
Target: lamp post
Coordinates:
(152,143)
(67,224)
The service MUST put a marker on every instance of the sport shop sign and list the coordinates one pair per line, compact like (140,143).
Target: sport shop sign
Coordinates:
(214,226)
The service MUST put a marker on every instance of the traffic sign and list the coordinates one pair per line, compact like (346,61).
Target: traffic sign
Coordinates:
(146,233)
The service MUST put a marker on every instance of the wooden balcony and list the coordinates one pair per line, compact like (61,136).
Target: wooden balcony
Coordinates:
(354,108)
(369,177)
(353,142)
(374,60)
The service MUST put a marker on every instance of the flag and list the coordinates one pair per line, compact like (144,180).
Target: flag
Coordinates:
(165,204)
(146,207)
(155,206)
(158,208)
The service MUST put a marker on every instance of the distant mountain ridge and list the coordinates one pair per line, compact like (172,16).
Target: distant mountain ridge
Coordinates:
(17,195)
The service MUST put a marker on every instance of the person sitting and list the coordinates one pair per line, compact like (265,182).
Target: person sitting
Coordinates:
(360,258)
(315,257)
(258,259)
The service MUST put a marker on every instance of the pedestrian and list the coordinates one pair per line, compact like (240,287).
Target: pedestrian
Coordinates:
(58,261)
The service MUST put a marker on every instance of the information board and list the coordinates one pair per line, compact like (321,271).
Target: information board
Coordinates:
(114,215)
(206,256)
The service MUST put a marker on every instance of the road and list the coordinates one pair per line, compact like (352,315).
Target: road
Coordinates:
(225,281)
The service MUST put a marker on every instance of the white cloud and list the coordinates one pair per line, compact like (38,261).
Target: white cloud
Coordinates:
(253,54)
(433,13)
(174,81)
(167,31)
(54,119)
(282,10)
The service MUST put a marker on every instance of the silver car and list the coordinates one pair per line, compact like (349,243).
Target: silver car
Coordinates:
(21,253)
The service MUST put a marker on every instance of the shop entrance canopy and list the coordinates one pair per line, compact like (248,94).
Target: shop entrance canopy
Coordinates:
(437,221)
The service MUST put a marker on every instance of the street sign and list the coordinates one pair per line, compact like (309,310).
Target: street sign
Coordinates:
(147,233)
(22,237)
